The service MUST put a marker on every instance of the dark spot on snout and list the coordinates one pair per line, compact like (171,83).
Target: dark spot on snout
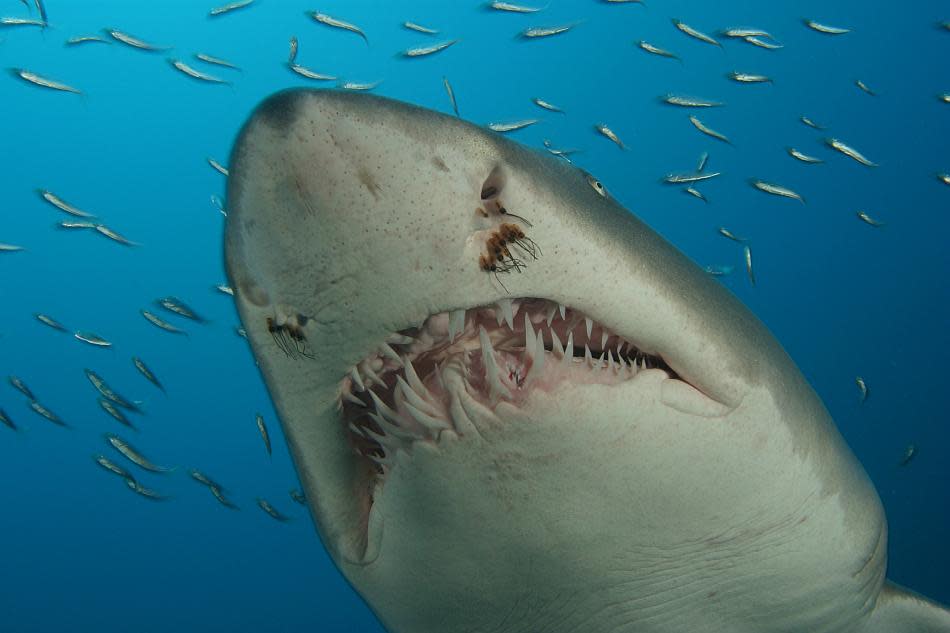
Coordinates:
(440,164)
(280,110)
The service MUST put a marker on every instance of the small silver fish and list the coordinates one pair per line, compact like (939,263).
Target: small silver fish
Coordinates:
(70,225)
(10,248)
(112,235)
(203,479)
(824,28)
(944,178)
(107,392)
(21,22)
(303,71)
(511,126)
(134,456)
(134,42)
(546,31)
(690,177)
(541,103)
(862,387)
(6,421)
(451,93)
(223,288)
(41,9)
(50,321)
(270,510)
(93,339)
(217,61)
(945,97)
(864,217)
(241,332)
(196,74)
(805,158)
(145,371)
(849,151)
(112,467)
(86,39)
(863,86)
(218,167)
(217,204)
(732,236)
(62,205)
(297,496)
(909,453)
(761,43)
(262,428)
(810,123)
(356,85)
(227,8)
(179,307)
(656,50)
(422,51)
(719,270)
(111,409)
(702,37)
(695,193)
(323,18)
(689,102)
(747,254)
(20,386)
(160,323)
(699,125)
(292,56)
(148,493)
(606,131)
(776,190)
(219,495)
(748,78)
(513,8)
(46,413)
(418,28)
(742,33)
(703,159)
(43,82)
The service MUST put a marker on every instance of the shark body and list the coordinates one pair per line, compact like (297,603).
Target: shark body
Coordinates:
(594,436)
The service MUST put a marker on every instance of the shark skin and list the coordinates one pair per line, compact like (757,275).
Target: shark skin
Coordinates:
(710,494)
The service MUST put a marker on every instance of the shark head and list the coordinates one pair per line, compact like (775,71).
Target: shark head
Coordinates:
(515,407)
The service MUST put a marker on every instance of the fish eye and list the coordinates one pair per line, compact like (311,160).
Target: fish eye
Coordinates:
(598,187)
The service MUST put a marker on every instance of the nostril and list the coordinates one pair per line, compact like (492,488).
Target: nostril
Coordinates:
(493,184)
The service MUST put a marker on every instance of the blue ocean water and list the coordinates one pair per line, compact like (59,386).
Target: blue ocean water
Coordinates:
(82,552)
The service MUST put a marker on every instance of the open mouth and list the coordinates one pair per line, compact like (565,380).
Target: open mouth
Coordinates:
(402,394)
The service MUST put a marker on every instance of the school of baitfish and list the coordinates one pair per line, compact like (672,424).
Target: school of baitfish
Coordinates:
(173,315)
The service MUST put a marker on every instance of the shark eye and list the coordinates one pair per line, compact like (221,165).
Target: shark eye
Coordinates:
(598,187)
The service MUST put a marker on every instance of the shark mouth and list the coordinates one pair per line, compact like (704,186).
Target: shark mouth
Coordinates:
(404,393)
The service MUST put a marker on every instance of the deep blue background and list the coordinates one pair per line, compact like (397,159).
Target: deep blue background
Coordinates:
(81,552)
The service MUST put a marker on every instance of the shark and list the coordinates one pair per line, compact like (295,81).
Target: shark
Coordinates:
(514,407)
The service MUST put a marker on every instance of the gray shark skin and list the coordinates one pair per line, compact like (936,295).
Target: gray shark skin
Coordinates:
(712,495)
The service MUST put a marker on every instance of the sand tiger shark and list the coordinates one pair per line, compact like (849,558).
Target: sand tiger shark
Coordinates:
(515,408)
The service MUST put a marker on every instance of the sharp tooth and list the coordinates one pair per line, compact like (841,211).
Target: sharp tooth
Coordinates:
(549,314)
(620,344)
(390,429)
(400,339)
(568,357)
(383,409)
(528,336)
(356,430)
(456,323)
(556,346)
(611,365)
(538,364)
(413,378)
(562,310)
(349,397)
(357,379)
(590,326)
(416,399)
(373,376)
(390,353)
(587,357)
(603,339)
(505,306)
(496,388)
(600,361)
(431,423)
